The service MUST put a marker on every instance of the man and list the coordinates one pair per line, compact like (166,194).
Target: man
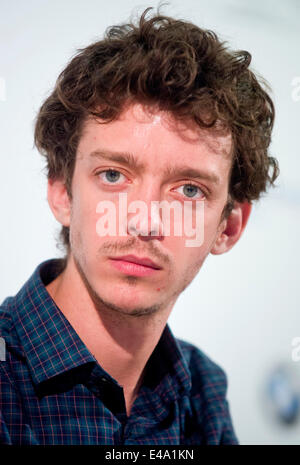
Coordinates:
(159,111)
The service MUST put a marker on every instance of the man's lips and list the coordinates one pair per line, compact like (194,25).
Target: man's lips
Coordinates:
(144,261)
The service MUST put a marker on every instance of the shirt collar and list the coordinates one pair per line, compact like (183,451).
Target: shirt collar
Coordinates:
(167,369)
(50,343)
(52,346)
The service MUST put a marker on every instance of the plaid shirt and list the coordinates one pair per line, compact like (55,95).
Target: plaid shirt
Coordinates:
(53,391)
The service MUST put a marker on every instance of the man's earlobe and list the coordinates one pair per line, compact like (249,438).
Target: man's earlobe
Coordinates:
(59,201)
(231,228)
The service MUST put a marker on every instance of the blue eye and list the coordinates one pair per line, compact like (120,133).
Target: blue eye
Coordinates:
(191,191)
(111,176)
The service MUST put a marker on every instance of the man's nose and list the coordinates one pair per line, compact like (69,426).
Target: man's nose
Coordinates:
(144,216)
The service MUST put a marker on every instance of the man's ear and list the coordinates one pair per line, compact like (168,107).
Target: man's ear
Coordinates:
(59,201)
(231,228)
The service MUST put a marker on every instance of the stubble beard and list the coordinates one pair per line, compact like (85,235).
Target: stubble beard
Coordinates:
(148,311)
(102,304)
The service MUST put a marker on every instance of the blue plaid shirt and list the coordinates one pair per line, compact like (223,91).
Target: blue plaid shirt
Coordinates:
(53,391)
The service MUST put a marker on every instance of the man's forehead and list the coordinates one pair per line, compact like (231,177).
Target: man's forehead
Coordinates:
(218,139)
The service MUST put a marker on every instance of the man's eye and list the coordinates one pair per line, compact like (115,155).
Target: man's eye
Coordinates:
(191,191)
(112,177)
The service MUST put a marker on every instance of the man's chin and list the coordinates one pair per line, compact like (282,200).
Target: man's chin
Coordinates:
(121,307)
(120,298)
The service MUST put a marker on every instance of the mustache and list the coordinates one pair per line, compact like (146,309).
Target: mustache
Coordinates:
(132,246)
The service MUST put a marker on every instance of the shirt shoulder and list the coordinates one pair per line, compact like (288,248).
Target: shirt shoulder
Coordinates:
(206,374)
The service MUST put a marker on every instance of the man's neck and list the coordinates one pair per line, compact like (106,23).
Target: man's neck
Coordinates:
(122,344)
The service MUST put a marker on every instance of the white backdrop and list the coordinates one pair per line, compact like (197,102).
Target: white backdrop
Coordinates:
(243,307)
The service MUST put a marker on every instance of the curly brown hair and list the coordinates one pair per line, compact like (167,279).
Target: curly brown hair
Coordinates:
(180,67)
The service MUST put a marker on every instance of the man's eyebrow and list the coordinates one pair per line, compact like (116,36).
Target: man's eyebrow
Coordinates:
(194,173)
(120,157)
(172,171)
